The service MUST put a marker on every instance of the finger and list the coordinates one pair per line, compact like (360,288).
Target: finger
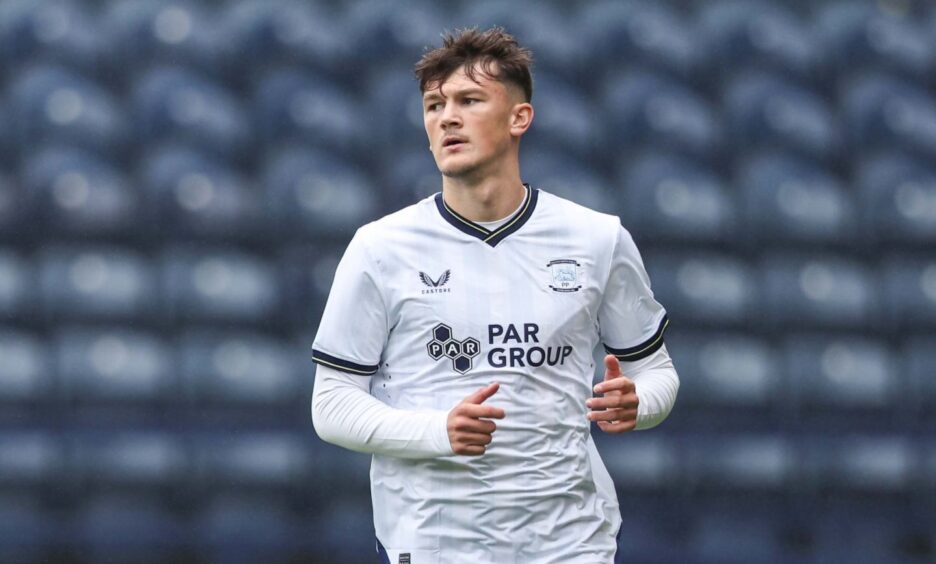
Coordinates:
(613,415)
(470,425)
(482,394)
(620,427)
(479,411)
(612,367)
(475,439)
(470,450)
(621,383)
(627,401)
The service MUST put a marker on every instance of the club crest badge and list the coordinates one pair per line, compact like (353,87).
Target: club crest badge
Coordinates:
(567,275)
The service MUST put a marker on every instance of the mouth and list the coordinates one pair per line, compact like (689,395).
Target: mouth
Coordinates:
(453,142)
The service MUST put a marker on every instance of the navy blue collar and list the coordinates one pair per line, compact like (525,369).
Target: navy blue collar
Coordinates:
(492,238)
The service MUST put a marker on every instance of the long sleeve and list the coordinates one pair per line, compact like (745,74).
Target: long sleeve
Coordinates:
(657,384)
(345,414)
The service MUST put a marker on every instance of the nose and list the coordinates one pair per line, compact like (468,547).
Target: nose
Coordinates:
(450,116)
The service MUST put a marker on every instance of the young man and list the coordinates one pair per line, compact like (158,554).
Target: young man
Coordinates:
(483,303)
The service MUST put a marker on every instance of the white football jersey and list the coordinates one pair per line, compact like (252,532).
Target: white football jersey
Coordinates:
(435,306)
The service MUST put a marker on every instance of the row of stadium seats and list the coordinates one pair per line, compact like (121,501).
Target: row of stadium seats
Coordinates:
(201,462)
(187,283)
(771,200)
(802,373)
(751,110)
(243,528)
(234,39)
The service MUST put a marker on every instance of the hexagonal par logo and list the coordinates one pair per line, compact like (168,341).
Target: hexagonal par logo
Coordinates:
(445,344)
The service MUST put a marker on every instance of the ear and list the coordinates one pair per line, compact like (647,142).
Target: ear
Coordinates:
(521,117)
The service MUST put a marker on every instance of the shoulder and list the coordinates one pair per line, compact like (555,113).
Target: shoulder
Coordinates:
(606,227)
(395,224)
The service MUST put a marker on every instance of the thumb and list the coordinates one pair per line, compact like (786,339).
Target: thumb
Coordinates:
(612,367)
(484,393)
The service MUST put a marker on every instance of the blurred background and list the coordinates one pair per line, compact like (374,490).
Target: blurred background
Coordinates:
(179,179)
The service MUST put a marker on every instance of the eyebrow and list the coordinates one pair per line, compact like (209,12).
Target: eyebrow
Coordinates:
(434,95)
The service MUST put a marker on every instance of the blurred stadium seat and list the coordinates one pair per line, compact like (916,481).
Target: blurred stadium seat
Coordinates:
(252,461)
(292,106)
(561,174)
(898,197)
(347,532)
(119,366)
(308,273)
(96,283)
(645,463)
(650,35)
(30,531)
(72,193)
(243,528)
(408,179)
(175,104)
(885,113)
(860,464)
(142,34)
(769,112)
(827,372)
(220,285)
(12,206)
(192,195)
(395,115)
(910,293)
(918,357)
(875,37)
(645,109)
(705,287)
(241,369)
(25,373)
(31,460)
(748,35)
(566,119)
(788,200)
(861,530)
(128,461)
(17,285)
(739,463)
(56,31)
(738,530)
(315,194)
(819,290)
(664,197)
(55,104)
(383,32)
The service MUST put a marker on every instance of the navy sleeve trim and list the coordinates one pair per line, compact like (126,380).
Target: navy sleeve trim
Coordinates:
(645,348)
(343,365)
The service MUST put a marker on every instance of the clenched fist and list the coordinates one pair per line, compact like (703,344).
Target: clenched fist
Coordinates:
(469,423)
(616,412)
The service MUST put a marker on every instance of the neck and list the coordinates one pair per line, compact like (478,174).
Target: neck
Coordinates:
(484,199)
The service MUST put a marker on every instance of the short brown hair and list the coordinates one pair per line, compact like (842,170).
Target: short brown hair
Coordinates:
(467,47)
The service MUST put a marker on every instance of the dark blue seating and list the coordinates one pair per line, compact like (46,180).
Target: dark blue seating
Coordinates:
(885,113)
(738,529)
(766,111)
(116,366)
(726,372)
(826,372)
(12,202)
(26,371)
(898,197)
(54,104)
(644,109)
(314,194)
(29,531)
(347,532)
(141,34)
(219,285)
(177,104)
(31,460)
(864,464)
(818,290)
(652,35)
(293,106)
(645,462)
(668,198)
(753,463)
(919,358)
(17,285)
(243,528)
(565,118)
(910,293)
(704,287)
(128,528)
(563,175)
(96,282)
(409,178)
(192,195)
(861,529)
(382,32)
(788,200)
(862,36)
(73,193)
(762,35)
(241,369)
(307,273)
(259,461)
(128,460)
(395,108)
(58,31)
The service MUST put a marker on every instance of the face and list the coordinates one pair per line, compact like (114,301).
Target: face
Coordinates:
(471,125)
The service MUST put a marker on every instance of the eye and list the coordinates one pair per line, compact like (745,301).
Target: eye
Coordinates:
(432,107)
(469,101)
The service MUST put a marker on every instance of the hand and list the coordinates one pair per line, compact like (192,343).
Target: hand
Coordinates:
(468,430)
(616,412)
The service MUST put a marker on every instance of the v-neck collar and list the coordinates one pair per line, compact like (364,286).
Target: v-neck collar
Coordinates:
(494,237)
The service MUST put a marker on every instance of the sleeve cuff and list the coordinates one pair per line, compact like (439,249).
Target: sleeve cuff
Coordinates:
(344,365)
(644,349)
